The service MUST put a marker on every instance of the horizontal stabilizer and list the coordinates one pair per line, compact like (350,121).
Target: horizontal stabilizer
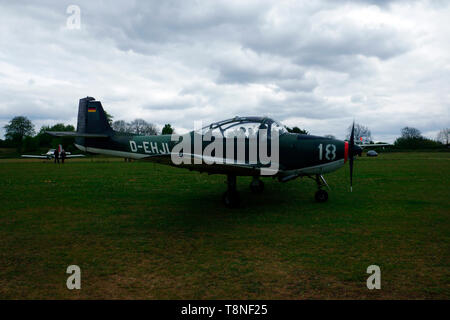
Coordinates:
(75,156)
(76,134)
(33,156)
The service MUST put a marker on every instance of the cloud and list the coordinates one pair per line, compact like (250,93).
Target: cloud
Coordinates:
(315,64)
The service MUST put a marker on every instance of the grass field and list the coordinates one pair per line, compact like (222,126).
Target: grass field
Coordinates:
(143,230)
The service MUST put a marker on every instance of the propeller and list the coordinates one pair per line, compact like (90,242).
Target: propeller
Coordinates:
(353,151)
(352,147)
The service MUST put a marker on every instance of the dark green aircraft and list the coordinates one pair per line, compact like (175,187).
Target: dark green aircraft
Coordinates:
(237,151)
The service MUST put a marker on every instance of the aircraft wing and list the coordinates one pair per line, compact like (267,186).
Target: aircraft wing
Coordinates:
(75,156)
(33,156)
(374,145)
(242,169)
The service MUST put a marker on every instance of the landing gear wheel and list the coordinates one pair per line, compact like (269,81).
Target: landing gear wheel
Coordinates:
(321,196)
(257,186)
(231,199)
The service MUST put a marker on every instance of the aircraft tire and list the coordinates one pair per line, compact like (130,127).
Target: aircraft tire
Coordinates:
(231,199)
(321,196)
(257,186)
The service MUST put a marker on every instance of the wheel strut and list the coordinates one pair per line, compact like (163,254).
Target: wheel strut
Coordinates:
(321,195)
(231,196)
(257,186)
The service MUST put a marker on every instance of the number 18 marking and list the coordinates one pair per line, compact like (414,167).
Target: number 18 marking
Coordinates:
(330,151)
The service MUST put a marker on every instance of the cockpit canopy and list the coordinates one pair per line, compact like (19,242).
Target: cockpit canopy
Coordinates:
(243,126)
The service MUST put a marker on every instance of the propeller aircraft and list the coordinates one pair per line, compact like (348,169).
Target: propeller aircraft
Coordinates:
(50,154)
(295,155)
(363,145)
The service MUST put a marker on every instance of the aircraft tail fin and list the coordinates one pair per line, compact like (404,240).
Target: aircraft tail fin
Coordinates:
(92,121)
(92,118)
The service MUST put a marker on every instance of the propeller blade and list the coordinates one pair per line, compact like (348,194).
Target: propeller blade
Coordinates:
(351,153)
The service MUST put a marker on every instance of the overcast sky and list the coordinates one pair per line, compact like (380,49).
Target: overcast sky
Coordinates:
(314,64)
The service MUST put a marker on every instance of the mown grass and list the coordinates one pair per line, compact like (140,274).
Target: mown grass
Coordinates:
(143,230)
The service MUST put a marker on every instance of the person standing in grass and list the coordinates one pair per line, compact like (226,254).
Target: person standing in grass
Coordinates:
(56,154)
(63,155)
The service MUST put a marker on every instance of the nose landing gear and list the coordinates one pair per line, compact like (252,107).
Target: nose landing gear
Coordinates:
(321,195)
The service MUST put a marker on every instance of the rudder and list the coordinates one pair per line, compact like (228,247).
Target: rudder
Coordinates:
(92,123)
(92,118)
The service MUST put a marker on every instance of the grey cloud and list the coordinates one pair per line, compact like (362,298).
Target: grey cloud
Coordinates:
(358,98)
(319,62)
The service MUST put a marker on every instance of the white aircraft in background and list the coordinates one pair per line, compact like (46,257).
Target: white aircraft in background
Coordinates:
(51,154)
(364,144)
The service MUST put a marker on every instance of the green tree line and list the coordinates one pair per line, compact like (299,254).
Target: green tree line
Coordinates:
(20,134)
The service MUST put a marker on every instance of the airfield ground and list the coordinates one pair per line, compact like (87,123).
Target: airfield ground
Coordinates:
(143,230)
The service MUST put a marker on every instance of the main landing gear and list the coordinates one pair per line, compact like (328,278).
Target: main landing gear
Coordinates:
(321,195)
(231,197)
(257,186)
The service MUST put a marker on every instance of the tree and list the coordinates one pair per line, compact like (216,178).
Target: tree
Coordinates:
(109,117)
(411,133)
(329,136)
(412,139)
(142,127)
(30,144)
(296,130)
(57,127)
(443,136)
(45,140)
(361,131)
(120,126)
(416,143)
(18,128)
(167,129)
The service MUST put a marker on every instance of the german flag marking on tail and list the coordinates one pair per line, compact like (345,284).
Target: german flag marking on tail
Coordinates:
(92,109)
